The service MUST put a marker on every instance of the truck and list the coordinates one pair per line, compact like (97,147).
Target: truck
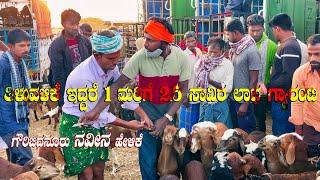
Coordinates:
(34,17)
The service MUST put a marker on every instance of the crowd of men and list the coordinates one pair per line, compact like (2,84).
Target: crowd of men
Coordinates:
(80,58)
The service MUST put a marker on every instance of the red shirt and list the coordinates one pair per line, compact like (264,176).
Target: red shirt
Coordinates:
(74,51)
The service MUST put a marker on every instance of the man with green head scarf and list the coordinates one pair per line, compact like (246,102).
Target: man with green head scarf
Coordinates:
(99,70)
(267,49)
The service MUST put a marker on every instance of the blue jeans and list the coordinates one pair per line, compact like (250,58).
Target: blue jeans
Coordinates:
(148,156)
(247,122)
(280,123)
(17,155)
(218,112)
(188,116)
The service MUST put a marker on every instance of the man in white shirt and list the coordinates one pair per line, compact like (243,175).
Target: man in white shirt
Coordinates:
(189,111)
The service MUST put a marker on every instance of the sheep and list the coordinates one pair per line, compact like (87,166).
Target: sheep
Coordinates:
(169,177)
(43,168)
(35,106)
(167,162)
(232,141)
(296,153)
(220,168)
(276,163)
(27,176)
(298,176)
(181,141)
(194,171)
(53,155)
(252,165)
(116,131)
(254,149)
(236,162)
(254,136)
(205,136)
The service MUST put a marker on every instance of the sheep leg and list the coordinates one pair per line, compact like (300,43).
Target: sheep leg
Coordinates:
(35,115)
(56,121)
(49,121)
(114,161)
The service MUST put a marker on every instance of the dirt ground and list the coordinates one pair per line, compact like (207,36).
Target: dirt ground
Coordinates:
(128,157)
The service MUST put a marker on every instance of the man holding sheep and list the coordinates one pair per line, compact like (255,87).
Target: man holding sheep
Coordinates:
(305,115)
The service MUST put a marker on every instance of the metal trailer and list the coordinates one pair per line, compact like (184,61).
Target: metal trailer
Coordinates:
(37,61)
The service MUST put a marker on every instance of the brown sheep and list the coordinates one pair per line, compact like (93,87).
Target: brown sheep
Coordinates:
(27,176)
(253,165)
(232,141)
(236,162)
(43,168)
(254,136)
(194,171)
(167,162)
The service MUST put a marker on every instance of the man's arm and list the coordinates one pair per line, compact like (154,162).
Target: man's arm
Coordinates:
(162,122)
(57,68)
(102,104)
(290,62)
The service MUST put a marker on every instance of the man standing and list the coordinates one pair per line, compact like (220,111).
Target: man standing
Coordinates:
(305,115)
(246,61)
(101,68)
(14,115)
(67,51)
(267,49)
(86,30)
(160,66)
(189,111)
(288,59)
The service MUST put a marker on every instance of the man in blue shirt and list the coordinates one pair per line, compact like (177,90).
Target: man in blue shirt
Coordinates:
(13,114)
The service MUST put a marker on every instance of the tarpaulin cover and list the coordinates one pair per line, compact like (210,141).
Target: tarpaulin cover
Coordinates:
(43,18)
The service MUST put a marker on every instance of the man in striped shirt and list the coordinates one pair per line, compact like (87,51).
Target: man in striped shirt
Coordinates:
(287,60)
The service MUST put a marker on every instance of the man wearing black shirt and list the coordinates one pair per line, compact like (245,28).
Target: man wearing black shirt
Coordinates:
(287,60)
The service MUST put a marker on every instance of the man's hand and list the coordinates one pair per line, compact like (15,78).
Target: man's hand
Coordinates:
(89,116)
(263,88)
(136,125)
(148,123)
(243,109)
(159,127)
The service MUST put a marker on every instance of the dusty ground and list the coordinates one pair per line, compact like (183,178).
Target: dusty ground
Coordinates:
(128,157)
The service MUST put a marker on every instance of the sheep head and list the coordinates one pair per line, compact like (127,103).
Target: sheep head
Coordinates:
(43,168)
(232,141)
(181,141)
(288,143)
(253,165)
(271,146)
(195,143)
(169,134)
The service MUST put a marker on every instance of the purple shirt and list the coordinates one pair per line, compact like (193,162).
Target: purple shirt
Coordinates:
(85,74)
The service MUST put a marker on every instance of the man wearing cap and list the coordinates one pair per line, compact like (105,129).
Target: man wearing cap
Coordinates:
(100,68)
(161,67)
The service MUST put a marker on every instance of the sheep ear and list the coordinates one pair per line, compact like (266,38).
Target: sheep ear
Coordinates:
(243,161)
(281,157)
(242,146)
(290,153)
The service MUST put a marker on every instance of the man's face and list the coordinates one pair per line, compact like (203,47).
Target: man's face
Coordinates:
(191,43)
(71,28)
(231,36)
(314,52)
(276,32)
(20,49)
(214,51)
(256,32)
(108,61)
(150,43)
(86,33)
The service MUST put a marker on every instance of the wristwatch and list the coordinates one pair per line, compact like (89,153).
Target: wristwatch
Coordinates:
(170,118)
